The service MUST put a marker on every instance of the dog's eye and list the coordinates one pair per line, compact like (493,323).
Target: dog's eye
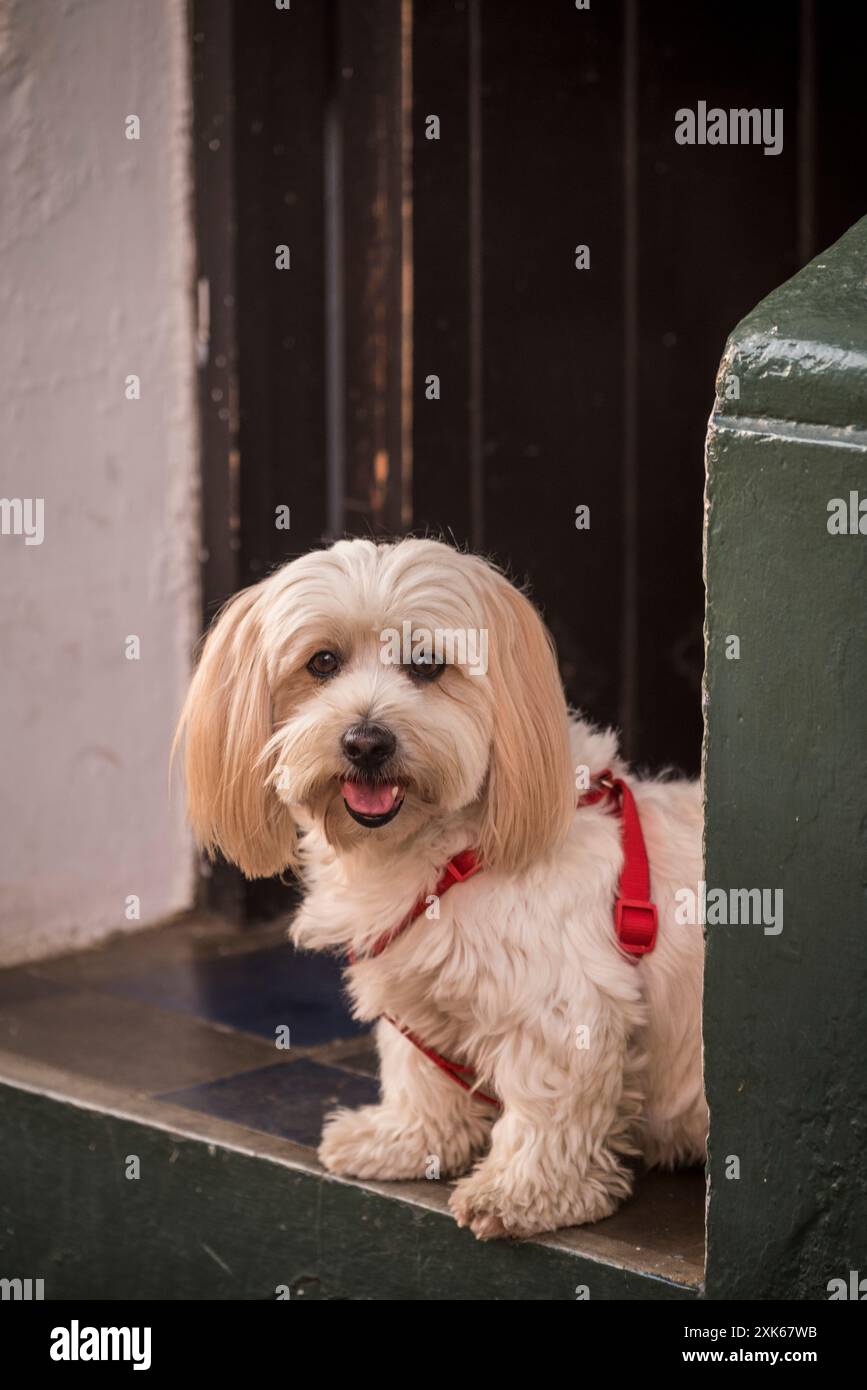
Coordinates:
(323,664)
(427,670)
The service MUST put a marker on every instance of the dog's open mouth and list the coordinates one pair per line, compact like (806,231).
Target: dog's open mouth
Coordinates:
(372,804)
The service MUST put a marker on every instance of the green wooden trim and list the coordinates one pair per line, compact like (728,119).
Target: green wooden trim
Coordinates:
(785,1014)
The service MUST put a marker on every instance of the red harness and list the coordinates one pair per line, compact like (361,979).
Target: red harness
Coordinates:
(635,916)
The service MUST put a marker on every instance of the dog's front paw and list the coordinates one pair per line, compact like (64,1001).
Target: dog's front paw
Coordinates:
(370,1143)
(491,1202)
(381,1142)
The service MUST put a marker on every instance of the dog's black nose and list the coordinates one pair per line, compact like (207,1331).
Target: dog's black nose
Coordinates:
(368,745)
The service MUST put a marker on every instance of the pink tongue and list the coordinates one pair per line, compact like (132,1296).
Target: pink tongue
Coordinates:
(368,799)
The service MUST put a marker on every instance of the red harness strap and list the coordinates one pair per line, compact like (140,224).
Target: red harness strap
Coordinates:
(635,916)
(461,1074)
(457,870)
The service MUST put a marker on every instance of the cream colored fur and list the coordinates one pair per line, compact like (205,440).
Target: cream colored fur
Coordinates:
(595,1058)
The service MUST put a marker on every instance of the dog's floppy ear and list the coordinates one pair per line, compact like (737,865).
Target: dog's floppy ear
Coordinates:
(225,724)
(531,792)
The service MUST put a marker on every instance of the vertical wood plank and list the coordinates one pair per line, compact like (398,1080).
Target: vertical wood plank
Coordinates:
(552,131)
(477,327)
(281,83)
(442,276)
(213,154)
(718,230)
(628,707)
(841,118)
(374,46)
(807,132)
(219,888)
(282,69)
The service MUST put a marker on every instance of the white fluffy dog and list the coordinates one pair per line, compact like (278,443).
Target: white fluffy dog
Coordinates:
(301,718)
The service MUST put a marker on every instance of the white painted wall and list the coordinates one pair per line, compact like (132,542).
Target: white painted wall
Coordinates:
(96,265)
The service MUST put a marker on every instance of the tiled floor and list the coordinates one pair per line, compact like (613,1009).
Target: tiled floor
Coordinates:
(285,1101)
(255,992)
(188,1016)
(191,1012)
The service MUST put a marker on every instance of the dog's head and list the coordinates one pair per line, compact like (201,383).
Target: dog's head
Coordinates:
(367,689)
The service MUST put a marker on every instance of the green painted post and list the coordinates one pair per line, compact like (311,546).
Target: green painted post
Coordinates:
(786,794)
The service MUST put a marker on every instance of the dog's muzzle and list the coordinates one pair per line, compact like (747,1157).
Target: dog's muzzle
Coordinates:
(369,795)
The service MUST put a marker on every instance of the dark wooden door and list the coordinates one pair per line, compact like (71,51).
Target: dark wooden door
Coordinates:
(455,257)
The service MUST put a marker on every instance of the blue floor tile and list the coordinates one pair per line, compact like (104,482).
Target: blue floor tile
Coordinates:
(288,1100)
(255,992)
